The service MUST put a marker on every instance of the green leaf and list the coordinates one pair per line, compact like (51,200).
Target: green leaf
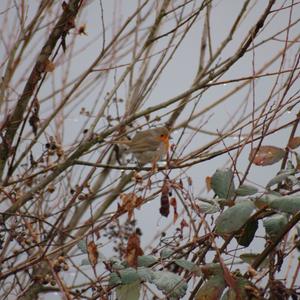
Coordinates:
(129,291)
(248,233)
(224,202)
(146,260)
(297,160)
(171,284)
(293,180)
(208,206)
(212,269)
(188,265)
(117,264)
(233,218)
(166,252)
(222,183)
(114,279)
(266,199)
(145,274)
(250,257)
(281,176)
(129,275)
(211,289)
(290,165)
(275,224)
(240,291)
(298,229)
(85,262)
(82,246)
(246,190)
(125,276)
(287,204)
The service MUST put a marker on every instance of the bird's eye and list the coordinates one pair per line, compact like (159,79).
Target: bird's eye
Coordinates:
(161,135)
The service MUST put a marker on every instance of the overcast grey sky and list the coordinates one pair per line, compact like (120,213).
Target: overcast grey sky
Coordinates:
(176,78)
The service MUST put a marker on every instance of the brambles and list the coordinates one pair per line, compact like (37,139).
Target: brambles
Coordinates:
(214,216)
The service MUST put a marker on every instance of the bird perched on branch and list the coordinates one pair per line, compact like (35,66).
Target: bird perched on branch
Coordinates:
(148,146)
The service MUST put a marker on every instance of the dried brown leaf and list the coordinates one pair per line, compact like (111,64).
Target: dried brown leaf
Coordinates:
(92,253)
(174,204)
(266,155)
(133,250)
(164,200)
(183,224)
(231,282)
(49,66)
(208,183)
(82,29)
(33,122)
(294,142)
(130,201)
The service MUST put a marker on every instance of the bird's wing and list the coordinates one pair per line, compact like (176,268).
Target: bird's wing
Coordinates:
(120,142)
(145,133)
(144,144)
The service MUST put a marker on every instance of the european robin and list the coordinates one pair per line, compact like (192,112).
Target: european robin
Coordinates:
(149,145)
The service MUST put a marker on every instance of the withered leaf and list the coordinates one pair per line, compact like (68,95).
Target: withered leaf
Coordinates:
(174,204)
(183,224)
(266,155)
(92,253)
(36,105)
(33,122)
(133,250)
(49,66)
(164,205)
(130,201)
(164,200)
(294,142)
(82,29)
(208,183)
